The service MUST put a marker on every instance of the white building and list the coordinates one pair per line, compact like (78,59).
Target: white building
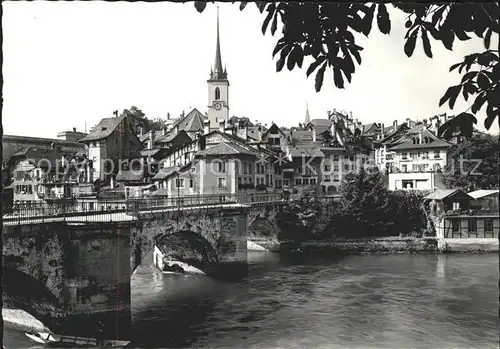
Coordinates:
(416,159)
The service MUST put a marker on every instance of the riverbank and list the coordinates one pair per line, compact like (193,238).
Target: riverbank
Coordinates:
(364,246)
(385,245)
(22,321)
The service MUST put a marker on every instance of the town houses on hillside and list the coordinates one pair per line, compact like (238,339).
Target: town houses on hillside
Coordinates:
(210,152)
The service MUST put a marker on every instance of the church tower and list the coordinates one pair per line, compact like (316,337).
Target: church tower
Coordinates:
(307,119)
(218,88)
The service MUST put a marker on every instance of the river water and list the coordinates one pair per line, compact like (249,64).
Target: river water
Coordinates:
(374,301)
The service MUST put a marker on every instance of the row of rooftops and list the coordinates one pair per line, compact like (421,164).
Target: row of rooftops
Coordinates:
(311,136)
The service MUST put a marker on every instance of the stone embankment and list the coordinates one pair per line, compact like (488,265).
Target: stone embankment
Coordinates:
(365,245)
(378,245)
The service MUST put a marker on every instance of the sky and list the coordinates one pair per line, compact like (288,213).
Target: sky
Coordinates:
(69,64)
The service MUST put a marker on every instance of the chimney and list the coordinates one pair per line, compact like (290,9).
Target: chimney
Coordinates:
(314,134)
(176,129)
(74,129)
(420,138)
(408,122)
(164,131)
(222,126)
(395,124)
(168,116)
(382,129)
(206,127)
(151,141)
(443,119)
(350,115)
(242,131)
(259,133)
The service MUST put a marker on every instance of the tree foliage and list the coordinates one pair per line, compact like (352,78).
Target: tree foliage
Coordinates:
(364,201)
(482,150)
(139,120)
(325,32)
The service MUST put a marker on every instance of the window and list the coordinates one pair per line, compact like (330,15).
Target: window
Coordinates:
(436,154)
(221,183)
(305,181)
(456,205)
(414,167)
(335,158)
(179,182)
(326,178)
(336,178)
(335,167)
(326,167)
(472,226)
(404,156)
(351,157)
(425,154)
(239,180)
(455,225)
(346,167)
(407,184)
(217,93)
(298,181)
(191,183)
(488,227)
(221,167)
(313,181)
(346,157)
(405,168)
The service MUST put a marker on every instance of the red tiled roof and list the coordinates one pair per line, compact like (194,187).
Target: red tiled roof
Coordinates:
(103,129)
(225,148)
(192,122)
(408,140)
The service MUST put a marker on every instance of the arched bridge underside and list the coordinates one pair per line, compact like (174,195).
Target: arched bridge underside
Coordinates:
(63,273)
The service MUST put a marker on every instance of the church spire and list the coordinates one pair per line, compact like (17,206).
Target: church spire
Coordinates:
(307,118)
(217,72)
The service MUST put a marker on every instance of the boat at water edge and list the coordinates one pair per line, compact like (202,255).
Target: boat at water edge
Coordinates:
(54,340)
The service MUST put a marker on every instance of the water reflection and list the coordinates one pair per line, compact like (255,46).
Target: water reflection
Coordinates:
(395,301)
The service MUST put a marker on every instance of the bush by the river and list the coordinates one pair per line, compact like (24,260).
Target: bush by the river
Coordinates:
(365,208)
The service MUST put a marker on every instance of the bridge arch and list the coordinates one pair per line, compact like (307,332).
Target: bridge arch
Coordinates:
(185,246)
(25,292)
(261,226)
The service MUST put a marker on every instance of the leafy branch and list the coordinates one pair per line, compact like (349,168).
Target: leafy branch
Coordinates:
(326,32)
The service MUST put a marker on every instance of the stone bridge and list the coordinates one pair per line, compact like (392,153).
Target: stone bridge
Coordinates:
(68,272)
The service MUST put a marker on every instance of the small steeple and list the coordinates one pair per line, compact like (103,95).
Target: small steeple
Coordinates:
(307,118)
(217,73)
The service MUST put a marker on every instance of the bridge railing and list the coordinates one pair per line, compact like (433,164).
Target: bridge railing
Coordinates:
(120,210)
(199,201)
(40,212)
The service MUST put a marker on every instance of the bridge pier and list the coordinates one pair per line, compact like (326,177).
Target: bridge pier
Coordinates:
(70,277)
